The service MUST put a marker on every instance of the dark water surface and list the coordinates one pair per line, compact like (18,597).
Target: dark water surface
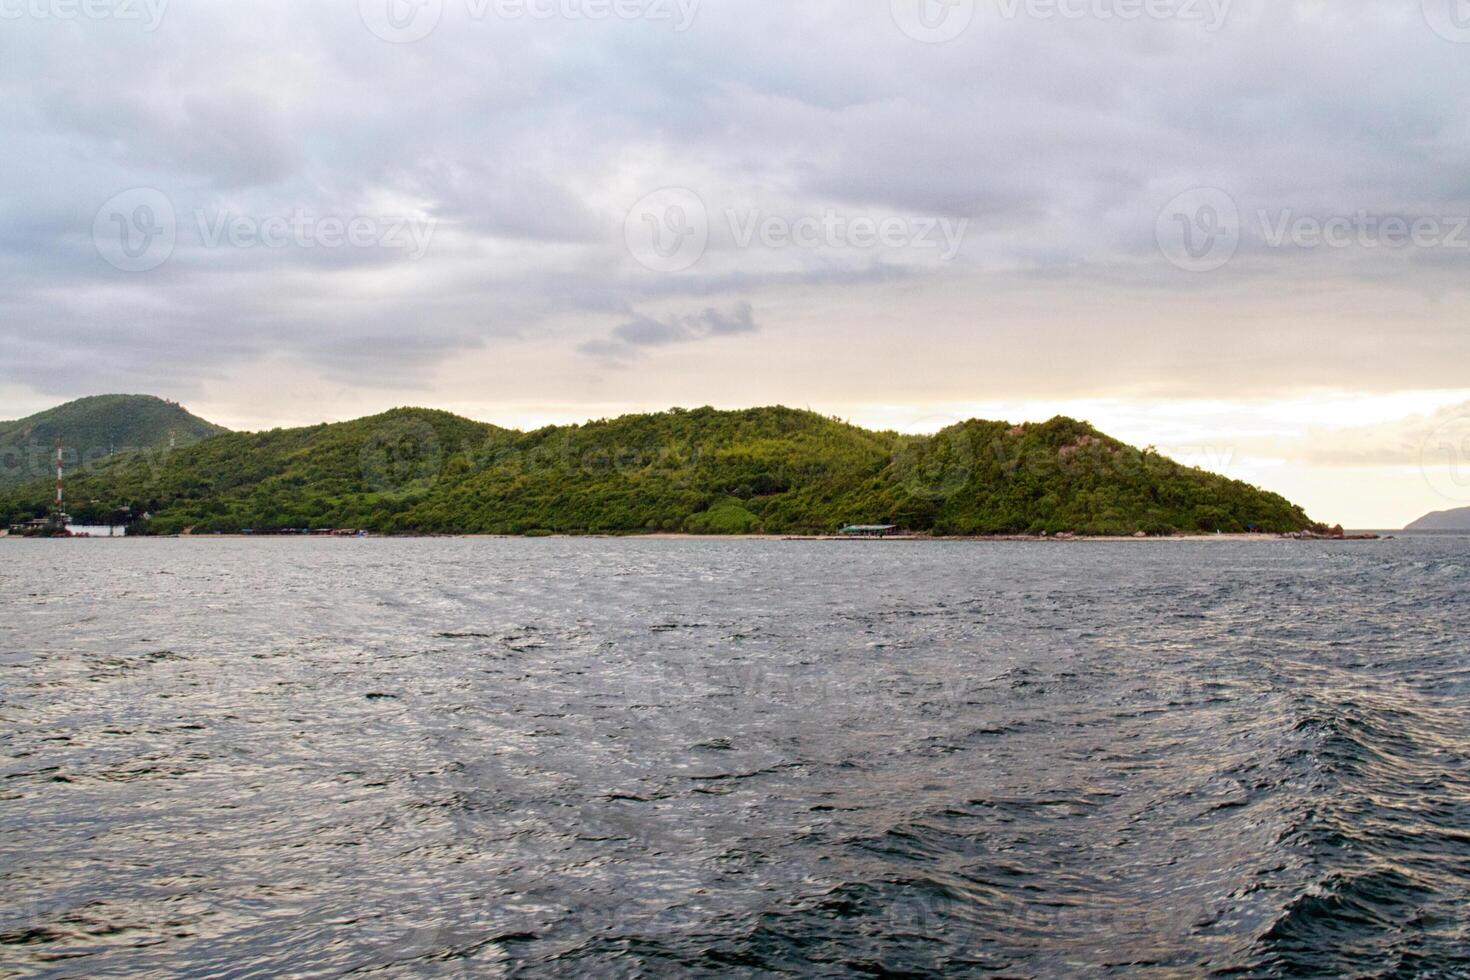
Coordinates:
(562,757)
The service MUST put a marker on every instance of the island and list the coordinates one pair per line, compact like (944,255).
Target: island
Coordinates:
(771,470)
(1457,519)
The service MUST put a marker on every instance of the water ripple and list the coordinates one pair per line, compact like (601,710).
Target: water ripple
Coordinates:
(488,757)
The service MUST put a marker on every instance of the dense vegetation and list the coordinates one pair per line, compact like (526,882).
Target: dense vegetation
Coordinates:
(771,469)
(93,429)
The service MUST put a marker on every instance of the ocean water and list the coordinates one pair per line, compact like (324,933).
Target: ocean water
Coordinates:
(565,757)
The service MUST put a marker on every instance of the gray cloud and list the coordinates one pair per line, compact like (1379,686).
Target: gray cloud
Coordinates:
(526,142)
(644,331)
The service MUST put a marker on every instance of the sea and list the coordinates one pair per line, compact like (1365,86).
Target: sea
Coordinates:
(558,757)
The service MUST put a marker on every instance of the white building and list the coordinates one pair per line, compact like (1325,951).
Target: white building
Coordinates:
(97,530)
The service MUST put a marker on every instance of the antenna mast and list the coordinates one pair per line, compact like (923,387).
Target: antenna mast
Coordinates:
(58,475)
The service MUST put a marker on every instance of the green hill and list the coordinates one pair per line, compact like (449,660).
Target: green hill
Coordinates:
(92,429)
(775,470)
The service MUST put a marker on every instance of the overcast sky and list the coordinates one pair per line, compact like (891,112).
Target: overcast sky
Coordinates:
(1234,230)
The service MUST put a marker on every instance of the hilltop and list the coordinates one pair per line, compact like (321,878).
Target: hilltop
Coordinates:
(774,470)
(93,429)
(1443,520)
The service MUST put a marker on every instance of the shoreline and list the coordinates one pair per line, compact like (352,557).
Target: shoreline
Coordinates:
(676,536)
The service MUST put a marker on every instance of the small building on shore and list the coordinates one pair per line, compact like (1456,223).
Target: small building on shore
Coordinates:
(868,530)
(54,525)
(33,528)
(97,530)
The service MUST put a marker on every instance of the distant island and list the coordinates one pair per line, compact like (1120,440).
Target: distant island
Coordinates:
(702,471)
(1443,520)
(92,429)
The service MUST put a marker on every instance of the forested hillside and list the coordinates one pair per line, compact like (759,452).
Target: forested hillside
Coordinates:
(774,470)
(93,429)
